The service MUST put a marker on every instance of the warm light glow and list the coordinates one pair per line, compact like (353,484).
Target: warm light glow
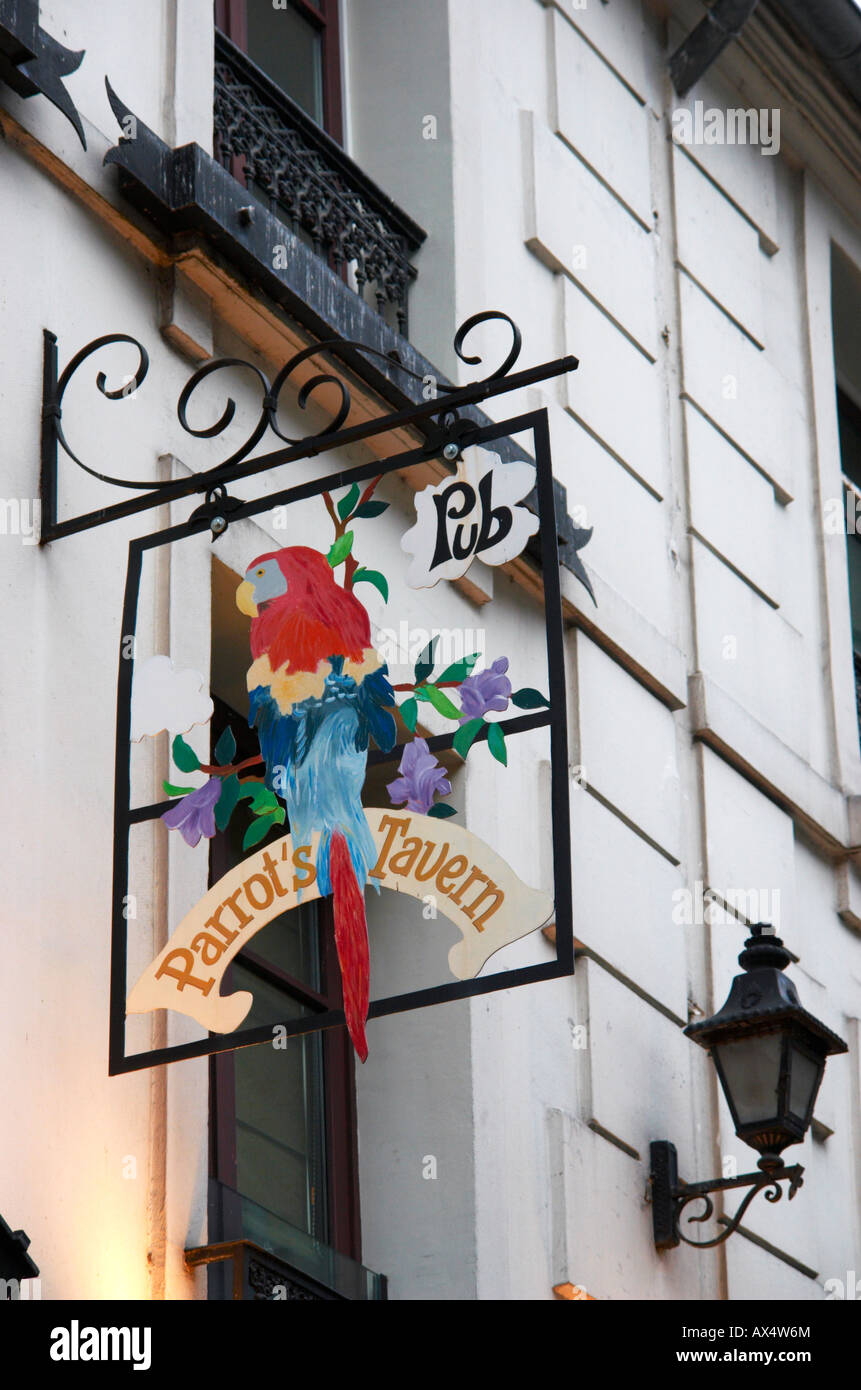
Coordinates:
(574,1291)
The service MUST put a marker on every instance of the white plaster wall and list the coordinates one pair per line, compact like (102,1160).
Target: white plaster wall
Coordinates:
(554,193)
(675,275)
(85,1180)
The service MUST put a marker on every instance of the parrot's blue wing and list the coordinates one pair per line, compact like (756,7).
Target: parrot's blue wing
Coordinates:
(285,739)
(375,719)
(277,732)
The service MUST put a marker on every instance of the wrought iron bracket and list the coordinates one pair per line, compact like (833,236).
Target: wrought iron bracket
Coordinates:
(446,422)
(670,1195)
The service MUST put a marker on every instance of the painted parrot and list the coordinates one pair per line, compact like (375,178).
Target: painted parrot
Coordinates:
(318,694)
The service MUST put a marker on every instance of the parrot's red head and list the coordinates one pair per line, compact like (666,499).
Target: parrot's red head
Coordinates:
(301,614)
(289,577)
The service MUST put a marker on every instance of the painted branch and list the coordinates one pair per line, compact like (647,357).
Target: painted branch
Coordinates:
(330,508)
(232,767)
(411,685)
(369,491)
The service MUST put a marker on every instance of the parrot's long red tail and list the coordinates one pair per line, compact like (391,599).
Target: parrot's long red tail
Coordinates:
(351,940)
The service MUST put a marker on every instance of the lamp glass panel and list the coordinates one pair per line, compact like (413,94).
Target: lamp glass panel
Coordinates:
(751,1069)
(803,1077)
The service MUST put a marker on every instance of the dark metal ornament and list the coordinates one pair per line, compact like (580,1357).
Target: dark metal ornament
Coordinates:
(439,419)
(670,1195)
(33,63)
(217,510)
(15,1263)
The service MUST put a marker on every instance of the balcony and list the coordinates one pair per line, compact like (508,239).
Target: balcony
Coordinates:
(257,1256)
(305,178)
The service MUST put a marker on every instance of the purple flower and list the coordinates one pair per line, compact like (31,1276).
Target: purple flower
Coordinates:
(421,776)
(194,815)
(489,689)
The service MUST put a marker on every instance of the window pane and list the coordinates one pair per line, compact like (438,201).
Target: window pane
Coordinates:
(290,51)
(802,1082)
(853,551)
(752,1070)
(280,1161)
(849,421)
(291,943)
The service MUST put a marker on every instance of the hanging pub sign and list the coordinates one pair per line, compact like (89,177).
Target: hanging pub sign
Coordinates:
(316,775)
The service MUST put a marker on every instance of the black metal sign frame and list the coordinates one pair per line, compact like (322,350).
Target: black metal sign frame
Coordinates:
(448,403)
(455,431)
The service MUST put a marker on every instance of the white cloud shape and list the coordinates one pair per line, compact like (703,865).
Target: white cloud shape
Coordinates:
(475,514)
(164,698)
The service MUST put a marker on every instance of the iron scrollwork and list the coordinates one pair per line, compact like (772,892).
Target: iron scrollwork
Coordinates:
(670,1196)
(442,415)
(54,408)
(270,395)
(762,1183)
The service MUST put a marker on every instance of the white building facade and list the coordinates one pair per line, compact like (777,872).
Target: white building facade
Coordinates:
(701,257)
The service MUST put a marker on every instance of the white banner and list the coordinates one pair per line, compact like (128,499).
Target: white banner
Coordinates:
(419,855)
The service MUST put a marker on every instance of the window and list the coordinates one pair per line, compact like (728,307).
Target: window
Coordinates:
(283,1125)
(846,307)
(297,45)
(277,130)
(849,420)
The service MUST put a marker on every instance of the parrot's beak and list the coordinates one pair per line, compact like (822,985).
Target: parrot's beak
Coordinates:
(245,599)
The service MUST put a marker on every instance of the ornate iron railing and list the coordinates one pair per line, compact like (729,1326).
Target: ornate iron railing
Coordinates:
(255,1255)
(307,175)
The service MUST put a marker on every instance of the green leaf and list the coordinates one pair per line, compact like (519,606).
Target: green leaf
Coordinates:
(279,815)
(442,809)
(262,799)
(442,703)
(424,665)
(225,804)
(529,699)
(348,502)
(409,712)
(374,577)
(185,758)
(256,831)
(496,744)
(459,670)
(340,549)
(225,747)
(466,734)
(372,508)
(176,791)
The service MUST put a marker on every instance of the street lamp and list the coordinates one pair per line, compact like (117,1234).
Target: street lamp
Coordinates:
(770,1054)
(15,1263)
